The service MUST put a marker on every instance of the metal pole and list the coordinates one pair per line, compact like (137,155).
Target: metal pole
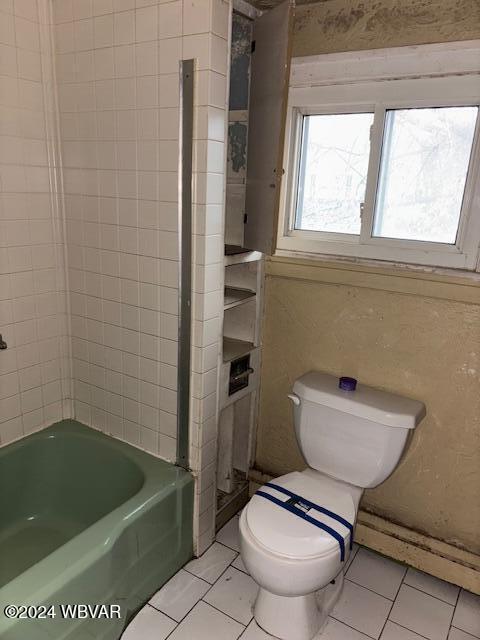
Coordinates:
(185,261)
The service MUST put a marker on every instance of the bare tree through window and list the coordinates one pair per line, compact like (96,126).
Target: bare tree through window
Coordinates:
(425,160)
(333,172)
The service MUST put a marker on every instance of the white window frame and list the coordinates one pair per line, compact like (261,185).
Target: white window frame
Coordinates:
(374,81)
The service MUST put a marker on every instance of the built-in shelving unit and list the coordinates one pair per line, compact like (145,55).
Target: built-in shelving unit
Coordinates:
(240,362)
(239,378)
(253,179)
(239,255)
(235,296)
(233,349)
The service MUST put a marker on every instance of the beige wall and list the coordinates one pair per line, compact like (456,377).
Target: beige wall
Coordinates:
(341,25)
(412,344)
(416,337)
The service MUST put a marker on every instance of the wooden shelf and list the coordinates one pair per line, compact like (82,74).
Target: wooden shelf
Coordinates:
(233,349)
(235,296)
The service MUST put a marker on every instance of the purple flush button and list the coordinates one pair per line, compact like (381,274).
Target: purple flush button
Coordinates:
(347,384)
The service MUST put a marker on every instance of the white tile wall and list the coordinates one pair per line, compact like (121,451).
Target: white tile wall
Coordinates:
(118,87)
(206,34)
(211,99)
(34,384)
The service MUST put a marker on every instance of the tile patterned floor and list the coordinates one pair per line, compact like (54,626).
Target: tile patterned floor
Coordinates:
(211,599)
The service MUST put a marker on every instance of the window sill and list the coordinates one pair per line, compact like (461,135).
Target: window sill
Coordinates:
(446,284)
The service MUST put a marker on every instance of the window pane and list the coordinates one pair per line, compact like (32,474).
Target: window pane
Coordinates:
(333,172)
(423,171)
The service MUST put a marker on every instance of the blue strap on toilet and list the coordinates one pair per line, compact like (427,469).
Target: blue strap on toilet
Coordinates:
(288,506)
(307,518)
(317,507)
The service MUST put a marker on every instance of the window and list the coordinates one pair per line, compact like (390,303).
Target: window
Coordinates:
(383,169)
(423,171)
(333,172)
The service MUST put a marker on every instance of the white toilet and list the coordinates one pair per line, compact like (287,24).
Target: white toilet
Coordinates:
(296,531)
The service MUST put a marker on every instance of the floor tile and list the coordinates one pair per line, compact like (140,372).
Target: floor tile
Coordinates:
(467,613)
(206,623)
(393,631)
(188,607)
(229,534)
(352,555)
(254,632)
(234,594)
(180,594)
(362,609)
(458,634)
(212,563)
(238,564)
(149,624)
(371,570)
(422,613)
(336,630)
(435,587)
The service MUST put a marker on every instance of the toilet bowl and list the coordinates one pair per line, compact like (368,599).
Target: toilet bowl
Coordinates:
(298,566)
(296,532)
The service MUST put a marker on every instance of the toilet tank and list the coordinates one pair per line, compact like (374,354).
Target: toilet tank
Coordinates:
(355,436)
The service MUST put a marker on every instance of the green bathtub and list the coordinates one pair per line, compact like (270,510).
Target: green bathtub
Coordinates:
(86,519)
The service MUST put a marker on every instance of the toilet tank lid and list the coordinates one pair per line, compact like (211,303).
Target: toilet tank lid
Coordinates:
(365,402)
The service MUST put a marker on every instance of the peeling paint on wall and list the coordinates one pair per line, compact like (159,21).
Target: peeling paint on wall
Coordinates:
(412,345)
(337,25)
(238,128)
(237,146)
(240,62)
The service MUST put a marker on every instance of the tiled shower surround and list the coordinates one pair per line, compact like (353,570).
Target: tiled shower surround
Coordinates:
(34,370)
(117,88)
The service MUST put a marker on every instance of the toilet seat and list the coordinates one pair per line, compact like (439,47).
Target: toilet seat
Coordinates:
(288,534)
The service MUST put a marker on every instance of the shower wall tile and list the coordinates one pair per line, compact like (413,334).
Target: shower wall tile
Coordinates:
(121,231)
(118,86)
(34,370)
